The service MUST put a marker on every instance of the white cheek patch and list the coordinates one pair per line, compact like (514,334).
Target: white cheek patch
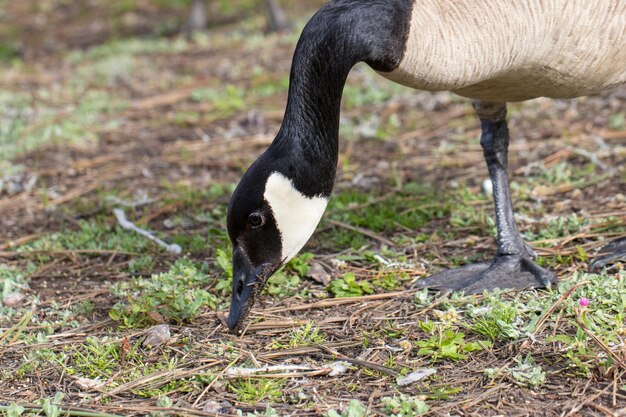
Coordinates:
(296,215)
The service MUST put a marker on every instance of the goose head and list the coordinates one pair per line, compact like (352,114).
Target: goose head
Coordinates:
(270,218)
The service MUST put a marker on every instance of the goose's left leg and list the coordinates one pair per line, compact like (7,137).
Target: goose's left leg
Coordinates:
(512,266)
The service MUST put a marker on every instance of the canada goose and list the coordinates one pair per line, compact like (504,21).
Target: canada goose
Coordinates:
(491,51)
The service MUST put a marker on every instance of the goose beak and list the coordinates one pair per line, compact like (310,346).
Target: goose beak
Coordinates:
(248,281)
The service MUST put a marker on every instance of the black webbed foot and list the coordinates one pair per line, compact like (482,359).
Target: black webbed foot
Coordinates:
(610,254)
(504,272)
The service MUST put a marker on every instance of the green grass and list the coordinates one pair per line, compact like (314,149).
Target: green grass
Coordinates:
(412,208)
(349,286)
(94,237)
(503,318)
(177,295)
(354,409)
(526,373)
(132,46)
(496,321)
(306,335)
(403,406)
(14,279)
(24,129)
(366,88)
(253,391)
(43,117)
(446,344)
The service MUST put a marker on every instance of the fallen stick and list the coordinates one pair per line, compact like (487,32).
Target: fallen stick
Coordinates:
(282,371)
(128,225)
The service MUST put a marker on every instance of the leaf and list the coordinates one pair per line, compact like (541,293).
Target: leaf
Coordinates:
(156,316)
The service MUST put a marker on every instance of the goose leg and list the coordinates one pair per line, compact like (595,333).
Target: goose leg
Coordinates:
(512,266)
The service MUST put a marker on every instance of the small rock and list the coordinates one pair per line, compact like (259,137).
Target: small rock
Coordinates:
(212,407)
(406,346)
(318,274)
(88,384)
(338,368)
(13,299)
(157,335)
(487,187)
(415,376)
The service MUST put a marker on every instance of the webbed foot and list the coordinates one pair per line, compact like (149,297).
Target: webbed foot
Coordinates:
(610,253)
(504,272)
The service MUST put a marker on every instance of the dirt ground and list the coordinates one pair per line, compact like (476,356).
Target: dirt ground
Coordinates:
(107,106)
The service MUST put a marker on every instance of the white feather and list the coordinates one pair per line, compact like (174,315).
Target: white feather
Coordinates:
(296,215)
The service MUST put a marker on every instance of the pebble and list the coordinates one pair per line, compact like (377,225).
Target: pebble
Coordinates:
(157,335)
(487,187)
(13,299)
(318,273)
(88,384)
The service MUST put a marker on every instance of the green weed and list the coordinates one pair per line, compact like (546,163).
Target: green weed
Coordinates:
(412,208)
(348,286)
(127,46)
(50,406)
(99,357)
(496,321)
(354,409)
(14,279)
(525,374)
(371,90)
(403,406)
(226,99)
(308,334)
(617,121)
(92,236)
(285,282)
(141,264)
(268,412)
(76,126)
(83,308)
(257,390)
(282,284)
(14,410)
(176,295)
(36,359)
(445,343)
(558,227)
(223,261)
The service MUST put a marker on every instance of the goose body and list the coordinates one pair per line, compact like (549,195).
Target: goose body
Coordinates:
(492,51)
(503,51)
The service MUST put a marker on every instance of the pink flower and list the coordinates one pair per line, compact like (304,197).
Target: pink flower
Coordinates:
(584,302)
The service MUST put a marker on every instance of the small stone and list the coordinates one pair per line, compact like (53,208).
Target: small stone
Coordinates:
(212,407)
(415,376)
(88,384)
(13,299)
(406,346)
(318,274)
(577,193)
(157,335)
(338,368)
(487,187)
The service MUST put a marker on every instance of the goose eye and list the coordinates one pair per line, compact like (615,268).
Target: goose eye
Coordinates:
(255,220)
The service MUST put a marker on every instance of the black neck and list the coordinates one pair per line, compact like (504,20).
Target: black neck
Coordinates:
(341,34)
(318,75)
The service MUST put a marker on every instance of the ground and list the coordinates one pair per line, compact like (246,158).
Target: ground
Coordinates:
(103,105)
